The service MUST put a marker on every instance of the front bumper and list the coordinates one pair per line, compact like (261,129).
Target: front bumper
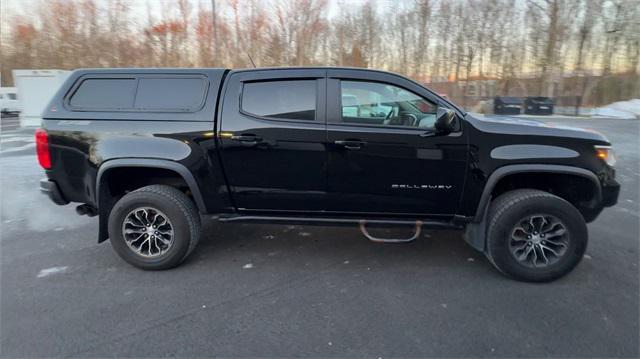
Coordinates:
(610,195)
(51,189)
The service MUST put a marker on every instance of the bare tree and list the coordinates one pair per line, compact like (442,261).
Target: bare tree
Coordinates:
(458,42)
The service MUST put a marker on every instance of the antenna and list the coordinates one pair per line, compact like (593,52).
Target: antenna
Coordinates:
(250,59)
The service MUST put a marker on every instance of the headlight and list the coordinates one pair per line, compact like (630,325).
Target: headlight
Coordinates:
(606,154)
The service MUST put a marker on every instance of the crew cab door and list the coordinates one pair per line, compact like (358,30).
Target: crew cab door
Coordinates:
(383,155)
(272,134)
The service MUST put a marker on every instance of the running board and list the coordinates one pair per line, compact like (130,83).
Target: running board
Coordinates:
(333,221)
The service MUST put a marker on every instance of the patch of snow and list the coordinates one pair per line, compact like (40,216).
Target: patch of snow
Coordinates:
(586,256)
(13,220)
(19,148)
(247,266)
(470,259)
(621,109)
(53,270)
(632,106)
(11,139)
(304,234)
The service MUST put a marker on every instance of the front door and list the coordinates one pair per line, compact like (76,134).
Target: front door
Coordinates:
(383,156)
(272,135)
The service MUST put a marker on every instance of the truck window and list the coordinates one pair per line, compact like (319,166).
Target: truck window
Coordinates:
(140,94)
(287,100)
(104,94)
(378,104)
(177,94)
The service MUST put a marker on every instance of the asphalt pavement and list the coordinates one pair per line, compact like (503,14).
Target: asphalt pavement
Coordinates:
(304,291)
(9,121)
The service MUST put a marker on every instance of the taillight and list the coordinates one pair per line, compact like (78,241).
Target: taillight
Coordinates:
(42,148)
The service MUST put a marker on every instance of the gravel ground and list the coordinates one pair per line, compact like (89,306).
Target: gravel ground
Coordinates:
(285,291)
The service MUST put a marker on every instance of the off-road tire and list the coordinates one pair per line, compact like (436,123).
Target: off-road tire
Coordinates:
(504,214)
(179,209)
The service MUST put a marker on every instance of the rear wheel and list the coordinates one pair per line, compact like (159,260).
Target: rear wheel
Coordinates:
(534,235)
(154,227)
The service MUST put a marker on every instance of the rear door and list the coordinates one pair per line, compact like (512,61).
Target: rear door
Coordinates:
(272,134)
(381,157)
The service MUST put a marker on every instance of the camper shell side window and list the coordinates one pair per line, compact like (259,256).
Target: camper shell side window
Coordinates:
(137,93)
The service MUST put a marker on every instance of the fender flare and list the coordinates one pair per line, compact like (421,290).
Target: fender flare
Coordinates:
(475,232)
(103,233)
(502,172)
(154,163)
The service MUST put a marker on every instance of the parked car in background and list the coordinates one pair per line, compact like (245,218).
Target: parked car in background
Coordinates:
(316,145)
(507,105)
(9,102)
(35,88)
(538,106)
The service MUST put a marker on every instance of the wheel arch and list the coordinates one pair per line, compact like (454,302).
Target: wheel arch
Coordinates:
(505,172)
(105,201)
(475,233)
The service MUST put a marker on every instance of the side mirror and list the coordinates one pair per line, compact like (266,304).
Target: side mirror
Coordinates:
(445,120)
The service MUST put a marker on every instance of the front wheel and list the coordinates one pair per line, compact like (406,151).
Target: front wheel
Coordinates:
(534,235)
(154,227)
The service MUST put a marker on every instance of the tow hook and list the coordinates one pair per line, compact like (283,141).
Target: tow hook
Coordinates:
(87,209)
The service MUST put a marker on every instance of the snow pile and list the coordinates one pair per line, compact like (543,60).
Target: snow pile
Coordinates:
(622,109)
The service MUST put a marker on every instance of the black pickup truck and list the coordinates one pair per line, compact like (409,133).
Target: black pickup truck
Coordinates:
(151,151)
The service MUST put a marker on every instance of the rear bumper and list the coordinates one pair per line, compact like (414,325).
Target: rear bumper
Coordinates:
(51,189)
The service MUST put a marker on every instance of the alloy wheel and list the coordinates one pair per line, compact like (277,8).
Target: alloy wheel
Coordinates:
(148,232)
(539,241)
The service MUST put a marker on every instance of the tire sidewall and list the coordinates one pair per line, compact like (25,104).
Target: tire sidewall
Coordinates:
(179,222)
(500,233)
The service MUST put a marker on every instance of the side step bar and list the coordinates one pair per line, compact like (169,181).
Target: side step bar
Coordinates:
(364,231)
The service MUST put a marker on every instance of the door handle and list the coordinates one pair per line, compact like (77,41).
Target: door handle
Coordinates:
(246,138)
(351,144)
(428,134)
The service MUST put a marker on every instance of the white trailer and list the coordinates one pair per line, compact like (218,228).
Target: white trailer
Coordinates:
(35,90)
(9,100)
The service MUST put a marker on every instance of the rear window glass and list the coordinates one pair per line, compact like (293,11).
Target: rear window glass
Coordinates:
(288,100)
(170,94)
(104,94)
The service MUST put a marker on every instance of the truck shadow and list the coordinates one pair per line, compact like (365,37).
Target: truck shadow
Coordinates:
(323,245)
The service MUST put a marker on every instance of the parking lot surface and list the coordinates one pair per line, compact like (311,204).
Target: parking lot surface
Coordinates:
(285,291)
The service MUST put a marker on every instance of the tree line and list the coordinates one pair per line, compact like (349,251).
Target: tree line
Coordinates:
(429,40)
